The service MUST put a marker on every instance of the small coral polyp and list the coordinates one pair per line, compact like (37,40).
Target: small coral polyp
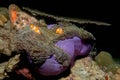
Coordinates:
(35,28)
(59,31)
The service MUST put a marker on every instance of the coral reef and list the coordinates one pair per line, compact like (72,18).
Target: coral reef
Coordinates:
(50,48)
(85,69)
(44,46)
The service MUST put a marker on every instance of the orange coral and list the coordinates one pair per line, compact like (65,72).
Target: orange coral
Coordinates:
(37,30)
(13,15)
(34,28)
(59,30)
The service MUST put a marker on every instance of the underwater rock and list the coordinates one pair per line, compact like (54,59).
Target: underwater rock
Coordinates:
(2,70)
(3,19)
(86,69)
(4,11)
(3,16)
(5,41)
(117,75)
(8,66)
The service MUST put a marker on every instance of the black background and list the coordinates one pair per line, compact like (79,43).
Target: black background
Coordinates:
(97,10)
(107,37)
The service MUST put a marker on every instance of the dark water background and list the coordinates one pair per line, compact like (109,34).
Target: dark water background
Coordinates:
(107,37)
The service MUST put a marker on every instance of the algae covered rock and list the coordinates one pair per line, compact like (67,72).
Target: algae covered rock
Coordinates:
(86,69)
(2,70)
(117,75)
(8,66)
(3,19)
(105,60)
(3,16)
(4,11)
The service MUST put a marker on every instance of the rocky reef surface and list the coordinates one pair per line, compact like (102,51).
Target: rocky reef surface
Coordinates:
(86,69)
(34,46)
(8,66)
(98,69)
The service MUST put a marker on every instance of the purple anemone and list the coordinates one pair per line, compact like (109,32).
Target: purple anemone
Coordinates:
(72,47)
(51,67)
